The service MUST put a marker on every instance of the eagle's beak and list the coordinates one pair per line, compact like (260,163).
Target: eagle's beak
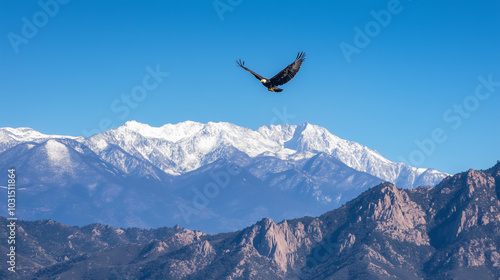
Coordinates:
(262,80)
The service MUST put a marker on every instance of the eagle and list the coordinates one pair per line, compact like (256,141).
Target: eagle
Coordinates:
(283,77)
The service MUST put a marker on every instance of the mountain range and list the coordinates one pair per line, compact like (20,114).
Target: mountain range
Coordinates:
(450,231)
(213,177)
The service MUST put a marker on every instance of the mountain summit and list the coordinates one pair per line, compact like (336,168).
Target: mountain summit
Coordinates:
(190,145)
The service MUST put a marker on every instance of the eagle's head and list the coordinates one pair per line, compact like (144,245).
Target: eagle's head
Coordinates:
(263,81)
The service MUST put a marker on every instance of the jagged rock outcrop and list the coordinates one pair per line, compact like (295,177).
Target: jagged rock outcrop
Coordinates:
(451,231)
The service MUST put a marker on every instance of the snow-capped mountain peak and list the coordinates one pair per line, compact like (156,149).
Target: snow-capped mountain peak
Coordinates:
(25,134)
(187,146)
(169,132)
(9,137)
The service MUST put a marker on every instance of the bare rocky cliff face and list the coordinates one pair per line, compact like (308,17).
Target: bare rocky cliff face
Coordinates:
(451,231)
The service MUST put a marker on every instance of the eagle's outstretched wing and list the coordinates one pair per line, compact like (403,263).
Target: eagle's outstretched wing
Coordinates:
(242,65)
(289,72)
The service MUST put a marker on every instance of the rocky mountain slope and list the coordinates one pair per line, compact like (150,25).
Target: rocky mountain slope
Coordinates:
(144,172)
(451,231)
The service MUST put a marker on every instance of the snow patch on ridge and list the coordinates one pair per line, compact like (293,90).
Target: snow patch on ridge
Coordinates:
(57,153)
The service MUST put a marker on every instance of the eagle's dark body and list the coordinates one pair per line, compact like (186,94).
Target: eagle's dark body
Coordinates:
(283,77)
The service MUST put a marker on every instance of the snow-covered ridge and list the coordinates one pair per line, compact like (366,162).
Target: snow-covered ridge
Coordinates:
(9,137)
(190,145)
(170,132)
(26,134)
(187,146)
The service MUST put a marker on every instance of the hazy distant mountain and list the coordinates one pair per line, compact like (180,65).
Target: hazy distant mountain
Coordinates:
(134,174)
(451,231)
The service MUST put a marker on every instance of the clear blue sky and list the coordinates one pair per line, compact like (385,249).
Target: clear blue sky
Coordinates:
(66,75)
